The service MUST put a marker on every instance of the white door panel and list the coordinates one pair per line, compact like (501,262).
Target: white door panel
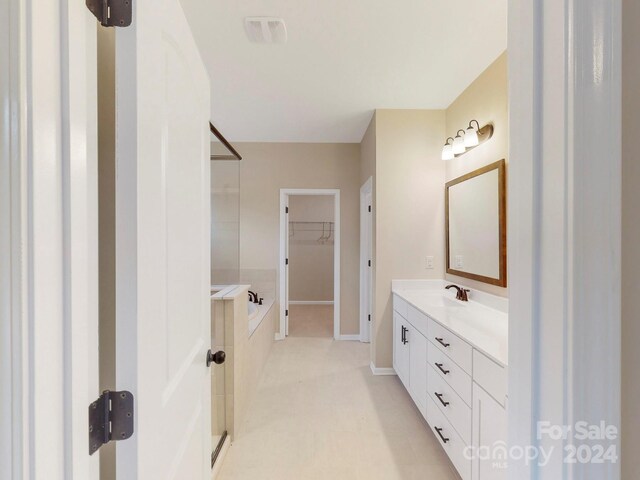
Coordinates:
(163,264)
(286,267)
(489,431)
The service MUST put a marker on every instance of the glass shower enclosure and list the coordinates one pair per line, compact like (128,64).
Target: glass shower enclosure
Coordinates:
(225,266)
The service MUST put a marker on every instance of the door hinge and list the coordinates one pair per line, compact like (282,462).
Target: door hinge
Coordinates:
(111,13)
(369,262)
(110,418)
(286,209)
(286,313)
(286,261)
(369,208)
(369,317)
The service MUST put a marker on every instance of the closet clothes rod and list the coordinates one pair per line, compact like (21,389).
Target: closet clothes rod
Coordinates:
(309,226)
(310,223)
(234,153)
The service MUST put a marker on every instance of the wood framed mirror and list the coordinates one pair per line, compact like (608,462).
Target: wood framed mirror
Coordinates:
(476,225)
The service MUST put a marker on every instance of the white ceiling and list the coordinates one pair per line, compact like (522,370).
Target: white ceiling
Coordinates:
(343,59)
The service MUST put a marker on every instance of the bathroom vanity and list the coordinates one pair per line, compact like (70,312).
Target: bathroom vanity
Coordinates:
(452,358)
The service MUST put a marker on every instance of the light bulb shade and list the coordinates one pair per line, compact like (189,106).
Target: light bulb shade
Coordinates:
(447,152)
(458,145)
(471,137)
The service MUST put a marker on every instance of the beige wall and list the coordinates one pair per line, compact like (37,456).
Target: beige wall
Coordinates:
(409,209)
(630,237)
(368,152)
(485,100)
(402,151)
(268,167)
(311,259)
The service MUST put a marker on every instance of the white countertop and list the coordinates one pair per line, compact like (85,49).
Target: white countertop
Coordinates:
(483,322)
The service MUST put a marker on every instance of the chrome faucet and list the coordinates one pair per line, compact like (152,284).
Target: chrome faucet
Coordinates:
(461,294)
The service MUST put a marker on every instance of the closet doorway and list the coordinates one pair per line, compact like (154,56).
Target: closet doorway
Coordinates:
(310,263)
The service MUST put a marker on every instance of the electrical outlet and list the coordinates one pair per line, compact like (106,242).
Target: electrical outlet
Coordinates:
(430,262)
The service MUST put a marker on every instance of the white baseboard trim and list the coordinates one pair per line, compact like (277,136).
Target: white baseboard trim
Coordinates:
(382,371)
(278,337)
(349,338)
(310,302)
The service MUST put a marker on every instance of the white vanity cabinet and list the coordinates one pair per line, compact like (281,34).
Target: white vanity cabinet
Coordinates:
(461,392)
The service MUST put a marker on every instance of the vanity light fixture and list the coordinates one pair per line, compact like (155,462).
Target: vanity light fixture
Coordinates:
(458,143)
(471,135)
(447,150)
(466,141)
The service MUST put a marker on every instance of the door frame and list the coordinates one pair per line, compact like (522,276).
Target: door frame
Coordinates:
(564,226)
(285,193)
(366,254)
(50,238)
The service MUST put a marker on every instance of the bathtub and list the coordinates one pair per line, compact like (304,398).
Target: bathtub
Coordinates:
(253,310)
(257,313)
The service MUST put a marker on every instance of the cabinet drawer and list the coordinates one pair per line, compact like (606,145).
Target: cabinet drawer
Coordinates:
(454,446)
(491,376)
(400,306)
(450,404)
(457,378)
(456,348)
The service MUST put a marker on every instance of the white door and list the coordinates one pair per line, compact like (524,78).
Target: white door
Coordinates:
(286,265)
(48,239)
(366,262)
(162,240)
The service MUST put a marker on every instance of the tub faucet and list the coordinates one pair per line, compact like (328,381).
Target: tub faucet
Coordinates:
(461,294)
(253,297)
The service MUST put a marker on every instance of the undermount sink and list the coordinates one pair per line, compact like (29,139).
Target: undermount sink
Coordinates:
(440,301)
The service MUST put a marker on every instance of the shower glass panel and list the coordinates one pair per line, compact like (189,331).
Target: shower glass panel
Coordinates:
(225,222)
(225,270)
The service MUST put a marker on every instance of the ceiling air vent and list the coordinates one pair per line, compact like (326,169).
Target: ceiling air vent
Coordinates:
(265,29)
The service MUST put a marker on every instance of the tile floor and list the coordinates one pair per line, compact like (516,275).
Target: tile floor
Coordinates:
(319,413)
(311,321)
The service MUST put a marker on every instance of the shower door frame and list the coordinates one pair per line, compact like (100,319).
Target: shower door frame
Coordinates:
(283,270)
